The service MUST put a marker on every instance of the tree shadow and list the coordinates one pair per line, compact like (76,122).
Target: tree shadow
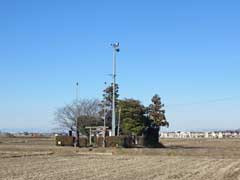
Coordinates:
(157,145)
(183,147)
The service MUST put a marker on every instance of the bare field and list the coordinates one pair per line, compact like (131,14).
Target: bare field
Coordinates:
(38,158)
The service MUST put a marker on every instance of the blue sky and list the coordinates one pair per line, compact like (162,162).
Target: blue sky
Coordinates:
(187,51)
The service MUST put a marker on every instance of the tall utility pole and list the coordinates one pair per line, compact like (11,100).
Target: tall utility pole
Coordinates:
(115,50)
(77,131)
(104,122)
(119,120)
(104,125)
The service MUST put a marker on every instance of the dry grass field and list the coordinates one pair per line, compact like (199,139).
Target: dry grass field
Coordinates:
(38,158)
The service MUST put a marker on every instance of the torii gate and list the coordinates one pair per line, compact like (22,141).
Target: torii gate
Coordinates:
(91,128)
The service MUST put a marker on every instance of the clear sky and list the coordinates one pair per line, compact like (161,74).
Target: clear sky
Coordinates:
(186,51)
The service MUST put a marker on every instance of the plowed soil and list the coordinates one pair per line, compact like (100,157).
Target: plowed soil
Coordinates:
(38,158)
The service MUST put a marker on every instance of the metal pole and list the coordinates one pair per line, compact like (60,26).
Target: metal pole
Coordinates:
(104,121)
(104,124)
(115,50)
(119,119)
(77,132)
(113,99)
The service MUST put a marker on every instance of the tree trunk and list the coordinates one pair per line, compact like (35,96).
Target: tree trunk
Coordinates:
(151,137)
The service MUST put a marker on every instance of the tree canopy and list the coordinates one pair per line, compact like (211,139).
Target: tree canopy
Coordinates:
(132,116)
(157,113)
(80,113)
(106,103)
(135,117)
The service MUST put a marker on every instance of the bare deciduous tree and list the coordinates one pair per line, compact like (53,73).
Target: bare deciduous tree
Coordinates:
(83,113)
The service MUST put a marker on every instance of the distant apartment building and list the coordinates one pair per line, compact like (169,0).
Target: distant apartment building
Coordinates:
(197,135)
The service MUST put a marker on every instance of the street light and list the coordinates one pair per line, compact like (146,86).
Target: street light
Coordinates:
(115,50)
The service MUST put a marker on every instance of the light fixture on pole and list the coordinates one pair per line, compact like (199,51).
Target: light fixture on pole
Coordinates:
(115,50)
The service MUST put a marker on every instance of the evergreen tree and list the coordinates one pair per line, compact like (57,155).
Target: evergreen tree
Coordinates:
(108,95)
(132,117)
(156,117)
(157,113)
(107,103)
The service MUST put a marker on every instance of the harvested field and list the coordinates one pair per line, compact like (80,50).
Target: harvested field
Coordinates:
(24,158)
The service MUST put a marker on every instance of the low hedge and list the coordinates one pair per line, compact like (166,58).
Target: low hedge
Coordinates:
(83,141)
(64,140)
(115,141)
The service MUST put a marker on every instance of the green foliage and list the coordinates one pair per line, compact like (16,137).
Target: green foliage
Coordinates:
(156,112)
(135,118)
(132,116)
(107,103)
(108,95)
